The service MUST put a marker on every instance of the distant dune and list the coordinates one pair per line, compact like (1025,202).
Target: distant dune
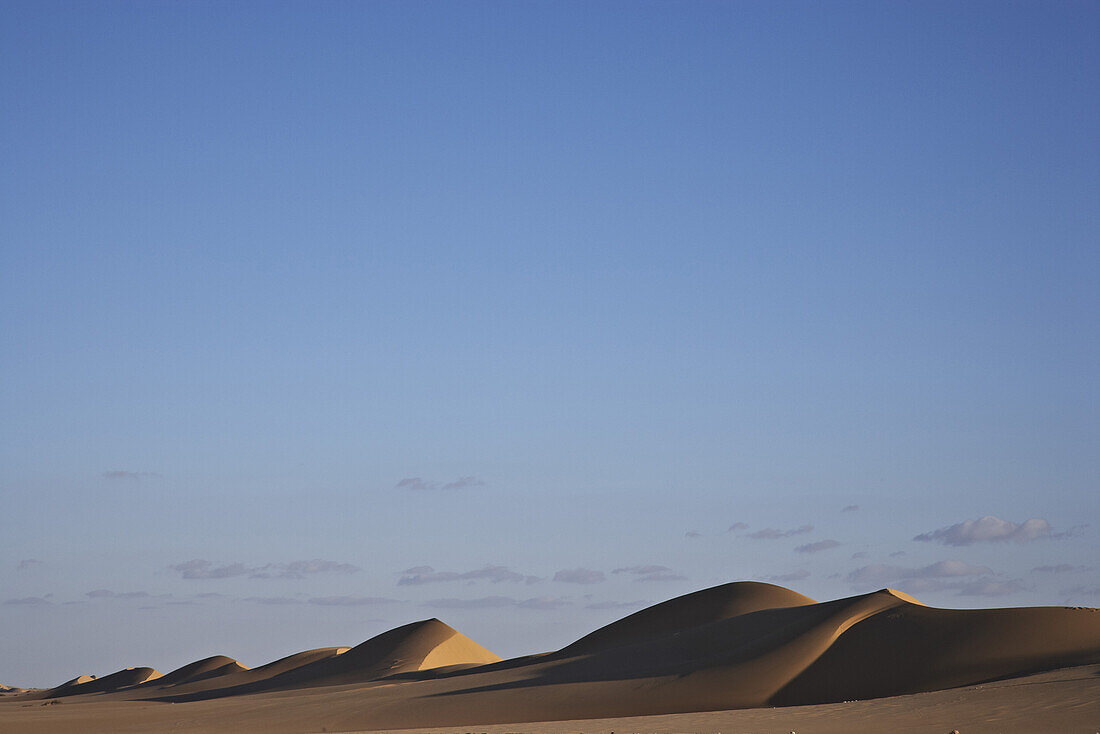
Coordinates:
(85,684)
(736,646)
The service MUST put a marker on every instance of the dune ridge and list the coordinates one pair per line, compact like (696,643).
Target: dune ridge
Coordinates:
(118,680)
(738,645)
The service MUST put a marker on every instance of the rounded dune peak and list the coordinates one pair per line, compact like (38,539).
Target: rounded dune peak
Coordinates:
(690,610)
(206,668)
(422,645)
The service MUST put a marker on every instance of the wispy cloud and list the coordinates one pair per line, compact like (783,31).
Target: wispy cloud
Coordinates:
(737,526)
(418,575)
(775,533)
(29,601)
(108,594)
(272,600)
(616,604)
(350,601)
(1082,591)
(651,573)
(821,545)
(487,602)
(130,475)
(792,576)
(28,563)
(1061,568)
(989,587)
(963,578)
(849,508)
(418,483)
(202,569)
(988,529)
(880,573)
(301,569)
(693,534)
(580,576)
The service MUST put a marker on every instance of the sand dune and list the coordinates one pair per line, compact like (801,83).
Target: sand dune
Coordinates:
(690,610)
(90,684)
(736,646)
(211,667)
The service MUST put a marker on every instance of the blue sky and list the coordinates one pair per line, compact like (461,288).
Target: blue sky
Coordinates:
(301,300)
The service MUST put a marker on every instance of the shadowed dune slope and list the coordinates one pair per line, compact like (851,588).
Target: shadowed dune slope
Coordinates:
(690,610)
(113,682)
(417,646)
(297,660)
(75,681)
(217,665)
(911,649)
(229,675)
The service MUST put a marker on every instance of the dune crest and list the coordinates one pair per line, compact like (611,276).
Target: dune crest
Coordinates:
(206,668)
(689,610)
(116,681)
(904,597)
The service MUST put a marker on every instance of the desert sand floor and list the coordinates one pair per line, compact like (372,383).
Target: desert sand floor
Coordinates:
(1063,701)
(1060,701)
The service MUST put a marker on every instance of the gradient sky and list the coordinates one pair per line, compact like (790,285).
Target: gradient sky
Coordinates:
(319,318)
